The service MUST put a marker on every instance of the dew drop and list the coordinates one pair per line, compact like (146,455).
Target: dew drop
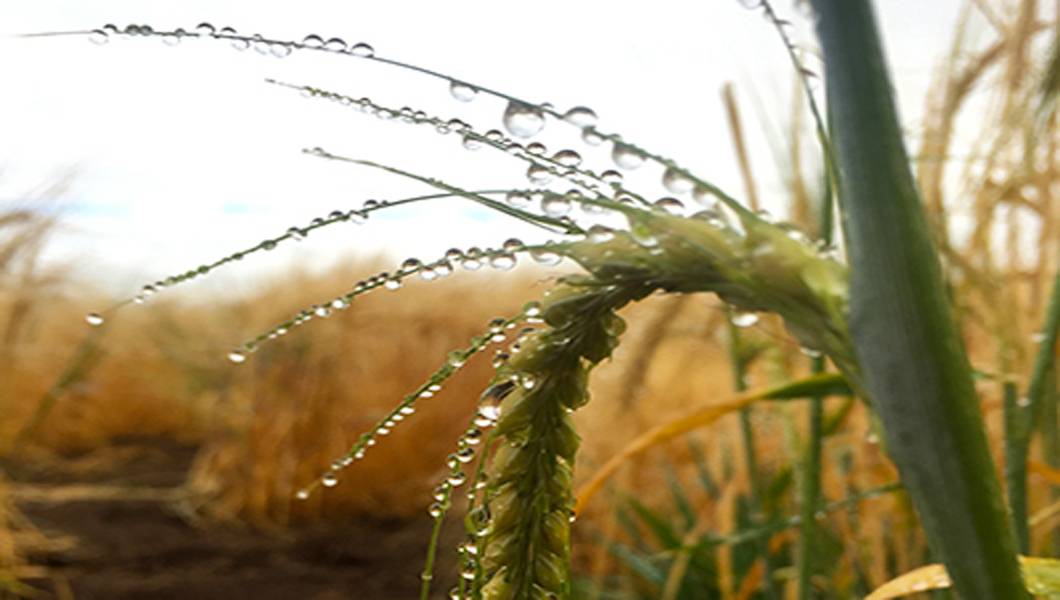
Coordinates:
(205,30)
(363,50)
(503,262)
(513,245)
(443,268)
(567,158)
(456,359)
(669,205)
(335,45)
(237,356)
(94,319)
(393,283)
(556,205)
(591,137)
(704,196)
(238,43)
(280,49)
(539,174)
(296,233)
(546,257)
(411,264)
(472,261)
(676,182)
(643,235)
(302,495)
(465,455)
(517,199)
(582,116)
(471,141)
(612,177)
(329,479)
(473,436)
(744,318)
(536,148)
(626,157)
(1023,402)
(456,479)
(600,233)
(99,37)
(462,91)
(523,120)
(435,510)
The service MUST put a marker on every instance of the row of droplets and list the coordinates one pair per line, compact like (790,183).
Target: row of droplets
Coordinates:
(522,119)
(543,167)
(517,120)
(487,413)
(260,43)
(472,259)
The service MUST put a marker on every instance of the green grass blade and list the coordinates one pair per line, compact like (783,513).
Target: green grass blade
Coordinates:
(904,333)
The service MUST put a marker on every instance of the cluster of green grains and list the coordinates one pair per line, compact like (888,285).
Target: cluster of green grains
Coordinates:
(526,540)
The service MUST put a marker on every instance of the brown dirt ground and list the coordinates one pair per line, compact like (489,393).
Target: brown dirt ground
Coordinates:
(114,533)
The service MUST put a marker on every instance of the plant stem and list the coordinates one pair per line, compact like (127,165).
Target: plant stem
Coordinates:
(1021,421)
(739,371)
(905,336)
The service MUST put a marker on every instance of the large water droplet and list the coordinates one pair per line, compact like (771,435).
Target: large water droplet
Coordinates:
(601,233)
(237,356)
(363,50)
(523,120)
(626,156)
(94,319)
(313,41)
(677,182)
(462,91)
(582,116)
(556,205)
(205,30)
(539,174)
(330,479)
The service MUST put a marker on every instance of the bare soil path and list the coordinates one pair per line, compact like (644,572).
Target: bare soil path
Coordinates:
(116,533)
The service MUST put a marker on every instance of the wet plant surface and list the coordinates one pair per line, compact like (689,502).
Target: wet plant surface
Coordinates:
(117,528)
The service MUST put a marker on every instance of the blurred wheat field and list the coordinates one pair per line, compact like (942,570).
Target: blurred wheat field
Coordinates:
(264,430)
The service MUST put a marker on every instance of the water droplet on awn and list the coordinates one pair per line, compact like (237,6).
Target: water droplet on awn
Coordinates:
(523,120)
(462,91)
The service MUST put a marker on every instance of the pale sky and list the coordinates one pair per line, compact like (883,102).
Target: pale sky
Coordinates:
(182,154)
